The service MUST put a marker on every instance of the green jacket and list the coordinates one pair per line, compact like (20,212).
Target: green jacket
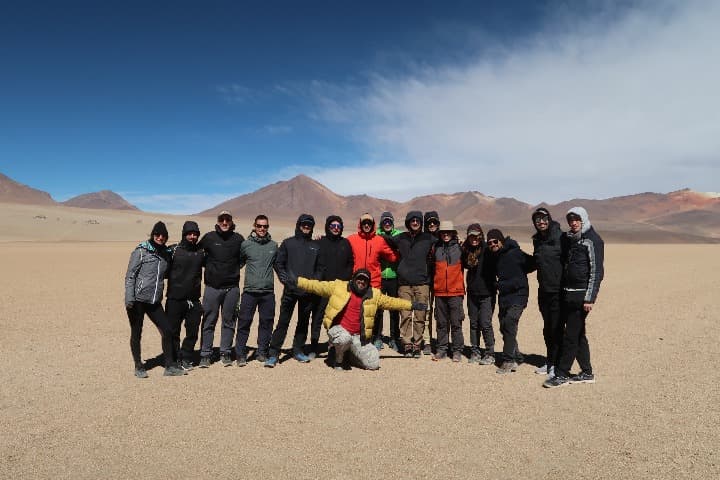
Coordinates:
(259,254)
(389,270)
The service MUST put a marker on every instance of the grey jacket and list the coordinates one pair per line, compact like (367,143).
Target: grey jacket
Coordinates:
(145,277)
(259,254)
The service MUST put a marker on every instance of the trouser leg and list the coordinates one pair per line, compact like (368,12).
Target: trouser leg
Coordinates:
(192,327)
(158,317)
(341,341)
(364,356)
(406,316)
(421,293)
(245,313)
(575,344)
(473,308)
(509,320)
(287,306)
(266,313)
(487,307)
(549,304)
(442,313)
(456,317)
(428,319)
(305,308)
(227,330)
(391,288)
(135,316)
(175,312)
(316,314)
(212,298)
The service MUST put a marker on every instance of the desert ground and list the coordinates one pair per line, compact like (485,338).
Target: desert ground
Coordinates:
(70,406)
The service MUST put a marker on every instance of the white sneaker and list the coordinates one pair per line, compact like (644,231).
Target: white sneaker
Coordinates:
(542,370)
(551,373)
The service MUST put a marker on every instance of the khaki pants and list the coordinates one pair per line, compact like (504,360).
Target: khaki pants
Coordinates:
(412,323)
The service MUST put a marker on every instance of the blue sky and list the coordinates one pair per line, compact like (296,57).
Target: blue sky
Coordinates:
(179,105)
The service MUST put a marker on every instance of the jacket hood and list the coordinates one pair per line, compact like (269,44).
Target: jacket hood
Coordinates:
(304,217)
(584,217)
(413,214)
(328,221)
(385,216)
(542,212)
(190,226)
(430,215)
(353,287)
(366,216)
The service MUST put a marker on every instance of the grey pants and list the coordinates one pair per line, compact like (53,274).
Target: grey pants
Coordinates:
(363,356)
(213,301)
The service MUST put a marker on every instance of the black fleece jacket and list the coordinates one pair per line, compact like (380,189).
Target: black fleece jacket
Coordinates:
(335,260)
(185,271)
(512,266)
(222,261)
(547,251)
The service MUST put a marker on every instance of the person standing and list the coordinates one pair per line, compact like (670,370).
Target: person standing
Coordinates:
(481,293)
(546,251)
(183,292)
(511,266)
(222,287)
(414,277)
(335,262)
(431,222)
(144,284)
(449,288)
(297,256)
(369,249)
(258,252)
(388,286)
(583,258)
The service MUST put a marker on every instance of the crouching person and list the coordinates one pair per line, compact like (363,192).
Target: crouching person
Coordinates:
(350,317)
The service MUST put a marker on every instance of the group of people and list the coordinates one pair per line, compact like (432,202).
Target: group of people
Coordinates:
(346,284)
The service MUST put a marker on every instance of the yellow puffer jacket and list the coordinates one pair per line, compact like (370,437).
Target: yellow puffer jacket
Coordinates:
(339,294)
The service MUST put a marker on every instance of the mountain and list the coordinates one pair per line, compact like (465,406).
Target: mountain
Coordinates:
(14,192)
(102,199)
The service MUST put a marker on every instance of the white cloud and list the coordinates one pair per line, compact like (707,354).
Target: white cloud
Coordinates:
(588,108)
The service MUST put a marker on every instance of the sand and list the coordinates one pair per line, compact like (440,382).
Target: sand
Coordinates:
(70,406)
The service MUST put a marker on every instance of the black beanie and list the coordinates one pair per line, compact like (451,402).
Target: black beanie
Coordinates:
(190,226)
(495,234)
(159,228)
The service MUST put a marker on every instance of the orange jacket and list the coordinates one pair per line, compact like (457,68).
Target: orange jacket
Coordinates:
(449,281)
(368,249)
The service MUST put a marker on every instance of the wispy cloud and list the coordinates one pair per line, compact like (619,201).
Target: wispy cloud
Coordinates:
(235,93)
(178,204)
(586,108)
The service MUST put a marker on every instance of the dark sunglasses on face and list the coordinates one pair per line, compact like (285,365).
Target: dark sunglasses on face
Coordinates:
(366,223)
(493,242)
(265,227)
(335,226)
(541,219)
(306,225)
(433,222)
(387,222)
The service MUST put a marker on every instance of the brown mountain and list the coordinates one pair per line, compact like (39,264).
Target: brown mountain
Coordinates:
(14,192)
(102,199)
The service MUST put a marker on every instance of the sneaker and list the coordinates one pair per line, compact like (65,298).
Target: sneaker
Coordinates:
(487,359)
(582,377)
(506,367)
(408,350)
(204,362)
(312,355)
(427,350)
(271,362)
(241,361)
(226,359)
(439,356)
(474,357)
(186,365)
(261,357)
(417,351)
(556,382)
(542,370)
(393,344)
(378,343)
(551,373)
(301,357)
(457,357)
(173,371)
(140,372)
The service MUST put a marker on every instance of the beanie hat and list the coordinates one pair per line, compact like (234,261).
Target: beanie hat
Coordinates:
(190,226)
(387,216)
(159,229)
(366,216)
(475,229)
(495,234)
(432,215)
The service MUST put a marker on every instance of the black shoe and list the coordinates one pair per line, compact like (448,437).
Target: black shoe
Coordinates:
(582,377)
(556,382)
(204,362)
(173,371)
(225,359)
(140,372)
(241,361)
(261,357)
(186,365)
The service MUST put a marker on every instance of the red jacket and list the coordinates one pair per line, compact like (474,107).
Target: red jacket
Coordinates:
(368,249)
(449,281)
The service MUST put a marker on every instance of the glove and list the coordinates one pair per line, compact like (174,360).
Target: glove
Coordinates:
(390,241)
(129,305)
(419,306)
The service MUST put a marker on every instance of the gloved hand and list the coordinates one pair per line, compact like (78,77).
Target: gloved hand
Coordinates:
(390,241)
(419,306)
(129,305)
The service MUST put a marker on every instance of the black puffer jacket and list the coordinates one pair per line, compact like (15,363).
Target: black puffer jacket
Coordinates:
(583,257)
(222,261)
(335,260)
(416,255)
(298,257)
(185,271)
(512,266)
(546,252)
(479,264)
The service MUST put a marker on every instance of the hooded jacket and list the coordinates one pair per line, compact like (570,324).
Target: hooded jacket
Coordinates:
(546,251)
(259,254)
(185,271)
(426,218)
(298,257)
(583,256)
(339,292)
(479,264)
(389,269)
(368,249)
(222,260)
(335,260)
(512,266)
(145,277)
(449,280)
(416,254)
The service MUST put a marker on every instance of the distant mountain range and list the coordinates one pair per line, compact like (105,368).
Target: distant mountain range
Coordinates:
(680,216)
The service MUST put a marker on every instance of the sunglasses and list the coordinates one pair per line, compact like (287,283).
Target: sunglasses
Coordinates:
(263,227)
(225,219)
(541,219)
(387,222)
(335,226)
(307,225)
(493,242)
(366,223)
(433,222)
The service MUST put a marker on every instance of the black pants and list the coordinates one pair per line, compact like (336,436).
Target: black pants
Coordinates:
(265,305)
(509,320)
(158,317)
(575,345)
(306,305)
(190,311)
(389,286)
(449,316)
(549,305)
(480,312)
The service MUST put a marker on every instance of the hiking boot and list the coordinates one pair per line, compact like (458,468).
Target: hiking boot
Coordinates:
(427,350)
(204,362)
(487,359)
(140,372)
(186,365)
(582,377)
(507,367)
(226,359)
(542,370)
(556,382)
(241,361)
(271,362)
(457,357)
(301,357)
(173,371)
(474,357)
(439,356)
(378,343)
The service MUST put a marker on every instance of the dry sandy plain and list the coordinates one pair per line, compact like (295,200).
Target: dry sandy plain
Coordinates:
(70,406)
